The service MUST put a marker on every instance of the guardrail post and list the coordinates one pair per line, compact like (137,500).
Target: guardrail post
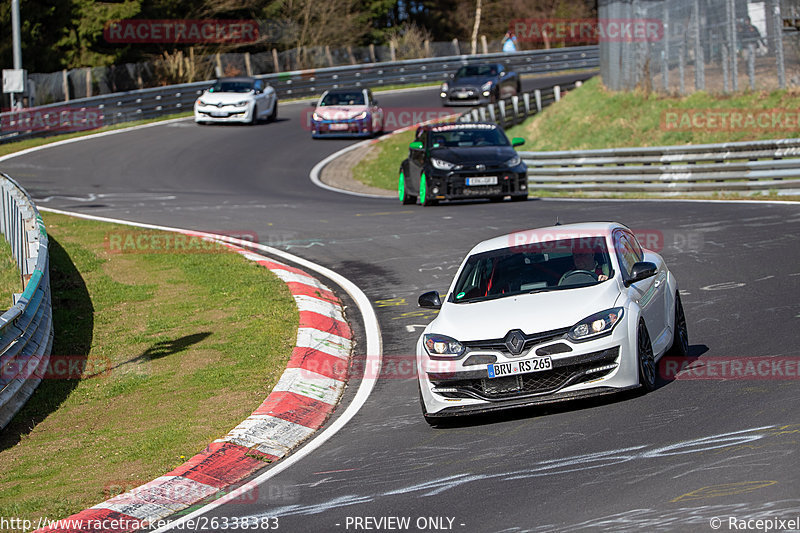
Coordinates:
(492,113)
(557,93)
(515,107)
(526,101)
(482,113)
(538,94)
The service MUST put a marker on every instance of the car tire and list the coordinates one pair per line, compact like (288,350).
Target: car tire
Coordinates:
(274,115)
(645,360)
(423,192)
(402,191)
(680,337)
(254,118)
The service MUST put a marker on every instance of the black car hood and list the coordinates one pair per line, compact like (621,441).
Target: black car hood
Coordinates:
(488,155)
(472,81)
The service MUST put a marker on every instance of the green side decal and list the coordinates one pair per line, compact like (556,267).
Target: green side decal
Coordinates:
(460,295)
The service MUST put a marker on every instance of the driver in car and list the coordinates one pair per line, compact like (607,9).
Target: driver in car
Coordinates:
(585,260)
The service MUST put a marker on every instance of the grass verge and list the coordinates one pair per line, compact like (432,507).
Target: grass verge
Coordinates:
(177,349)
(10,279)
(593,117)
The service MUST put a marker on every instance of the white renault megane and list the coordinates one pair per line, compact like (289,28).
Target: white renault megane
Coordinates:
(547,315)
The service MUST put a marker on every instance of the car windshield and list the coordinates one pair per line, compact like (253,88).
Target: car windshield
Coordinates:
(343,98)
(463,136)
(477,70)
(552,265)
(232,87)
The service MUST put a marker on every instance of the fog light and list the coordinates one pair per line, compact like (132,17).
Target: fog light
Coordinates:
(485,93)
(523,187)
(443,95)
(435,190)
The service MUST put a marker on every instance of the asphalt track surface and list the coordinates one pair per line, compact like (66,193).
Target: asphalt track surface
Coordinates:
(670,460)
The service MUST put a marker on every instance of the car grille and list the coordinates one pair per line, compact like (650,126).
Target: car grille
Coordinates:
(535,383)
(530,341)
(457,185)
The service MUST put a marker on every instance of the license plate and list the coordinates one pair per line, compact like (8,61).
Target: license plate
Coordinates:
(462,94)
(527,366)
(482,180)
(219,114)
(339,126)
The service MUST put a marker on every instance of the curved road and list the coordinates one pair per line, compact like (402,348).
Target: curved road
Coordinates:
(671,460)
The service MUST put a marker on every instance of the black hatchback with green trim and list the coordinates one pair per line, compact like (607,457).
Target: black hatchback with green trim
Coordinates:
(462,160)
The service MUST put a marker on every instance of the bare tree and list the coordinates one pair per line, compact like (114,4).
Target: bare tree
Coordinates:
(476,27)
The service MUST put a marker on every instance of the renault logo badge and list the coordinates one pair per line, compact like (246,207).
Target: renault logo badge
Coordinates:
(515,341)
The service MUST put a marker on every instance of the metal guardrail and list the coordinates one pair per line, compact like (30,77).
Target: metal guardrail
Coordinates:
(155,102)
(511,111)
(729,167)
(26,329)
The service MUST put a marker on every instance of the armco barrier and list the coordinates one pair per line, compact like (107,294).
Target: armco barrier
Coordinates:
(116,108)
(729,167)
(26,329)
(511,111)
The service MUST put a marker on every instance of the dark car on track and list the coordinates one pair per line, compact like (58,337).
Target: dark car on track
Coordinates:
(480,84)
(462,160)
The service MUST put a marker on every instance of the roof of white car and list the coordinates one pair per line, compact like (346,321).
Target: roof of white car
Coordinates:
(551,233)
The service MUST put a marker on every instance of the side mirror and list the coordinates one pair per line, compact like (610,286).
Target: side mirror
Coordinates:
(430,300)
(517,141)
(416,145)
(640,271)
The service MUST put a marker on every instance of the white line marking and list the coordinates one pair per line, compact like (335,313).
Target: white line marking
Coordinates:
(314,175)
(373,355)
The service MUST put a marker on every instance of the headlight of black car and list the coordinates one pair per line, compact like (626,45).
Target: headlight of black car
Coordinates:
(514,161)
(441,164)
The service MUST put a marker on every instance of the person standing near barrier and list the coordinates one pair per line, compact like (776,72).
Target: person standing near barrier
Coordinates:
(509,42)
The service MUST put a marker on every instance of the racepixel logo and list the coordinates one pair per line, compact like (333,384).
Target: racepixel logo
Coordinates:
(52,119)
(393,118)
(57,367)
(587,30)
(181,31)
(731,120)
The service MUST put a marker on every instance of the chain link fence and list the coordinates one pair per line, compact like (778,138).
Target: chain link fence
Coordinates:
(185,67)
(682,46)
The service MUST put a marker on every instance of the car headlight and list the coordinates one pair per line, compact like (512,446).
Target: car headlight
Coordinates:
(361,115)
(514,161)
(486,86)
(241,104)
(315,116)
(441,164)
(596,325)
(442,346)
(201,102)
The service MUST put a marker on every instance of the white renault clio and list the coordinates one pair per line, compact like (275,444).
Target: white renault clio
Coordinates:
(547,315)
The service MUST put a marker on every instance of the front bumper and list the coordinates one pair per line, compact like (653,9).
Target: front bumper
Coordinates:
(227,113)
(596,367)
(469,96)
(452,185)
(342,128)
